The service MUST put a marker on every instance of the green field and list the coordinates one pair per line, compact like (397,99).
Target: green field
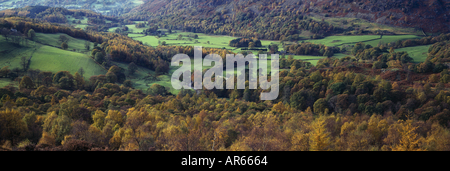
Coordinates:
(140,81)
(6,81)
(364,24)
(10,53)
(372,40)
(418,53)
(52,40)
(314,59)
(149,40)
(48,58)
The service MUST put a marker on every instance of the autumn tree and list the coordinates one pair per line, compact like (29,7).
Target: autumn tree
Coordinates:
(81,71)
(64,45)
(409,139)
(24,62)
(319,137)
(63,39)
(157,89)
(79,81)
(99,57)
(320,106)
(4,71)
(26,82)
(111,77)
(12,126)
(31,34)
(132,68)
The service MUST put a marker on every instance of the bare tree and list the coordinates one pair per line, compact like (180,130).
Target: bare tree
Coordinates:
(24,63)
(81,71)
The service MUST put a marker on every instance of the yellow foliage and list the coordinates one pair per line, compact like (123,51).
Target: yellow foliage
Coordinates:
(99,119)
(319,138)
(438,139)
(347,127)
(66,138)
(300,141)
(115,116)
(409,140)
(12,124)
(116,141)
(239,145)
(47,139)
(279,107)
(377,127)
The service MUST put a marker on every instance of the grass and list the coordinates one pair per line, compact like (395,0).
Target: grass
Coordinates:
(372,40)
(149,40)
(366,25)
(48,58)
(392,38)
(314,59)
(139,81)
(83,22)
(133,35)
(132,28)
(52,40)
(10,54)
(339,40)
(6,81)
(418,53)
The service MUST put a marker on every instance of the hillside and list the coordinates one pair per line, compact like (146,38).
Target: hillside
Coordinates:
(105,7)
(218,16)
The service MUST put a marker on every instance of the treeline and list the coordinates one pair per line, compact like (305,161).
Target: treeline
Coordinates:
(245,42)
(312,49)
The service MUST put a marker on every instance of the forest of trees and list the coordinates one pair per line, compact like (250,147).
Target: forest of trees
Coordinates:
(270,22)
(318,109)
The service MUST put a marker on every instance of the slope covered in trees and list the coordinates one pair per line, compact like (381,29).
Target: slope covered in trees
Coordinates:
(335,106)
(285,19)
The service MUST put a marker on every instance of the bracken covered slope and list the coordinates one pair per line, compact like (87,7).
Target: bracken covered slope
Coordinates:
(429,15)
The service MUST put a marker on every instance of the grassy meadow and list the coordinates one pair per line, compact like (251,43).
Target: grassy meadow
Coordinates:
(48,58)
(53,40)
(372,40)
(418,53)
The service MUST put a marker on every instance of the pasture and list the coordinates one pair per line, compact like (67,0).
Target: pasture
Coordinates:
(418,53)
(53,40)
(47,58)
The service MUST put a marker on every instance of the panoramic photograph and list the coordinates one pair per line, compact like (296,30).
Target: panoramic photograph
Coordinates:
(224,75)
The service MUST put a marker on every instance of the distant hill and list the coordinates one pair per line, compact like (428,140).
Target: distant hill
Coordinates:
(105,7)
(78,18)
(429,15)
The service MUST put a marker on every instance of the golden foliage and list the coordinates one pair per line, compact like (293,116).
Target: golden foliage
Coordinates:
(409,139)
(319,138)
